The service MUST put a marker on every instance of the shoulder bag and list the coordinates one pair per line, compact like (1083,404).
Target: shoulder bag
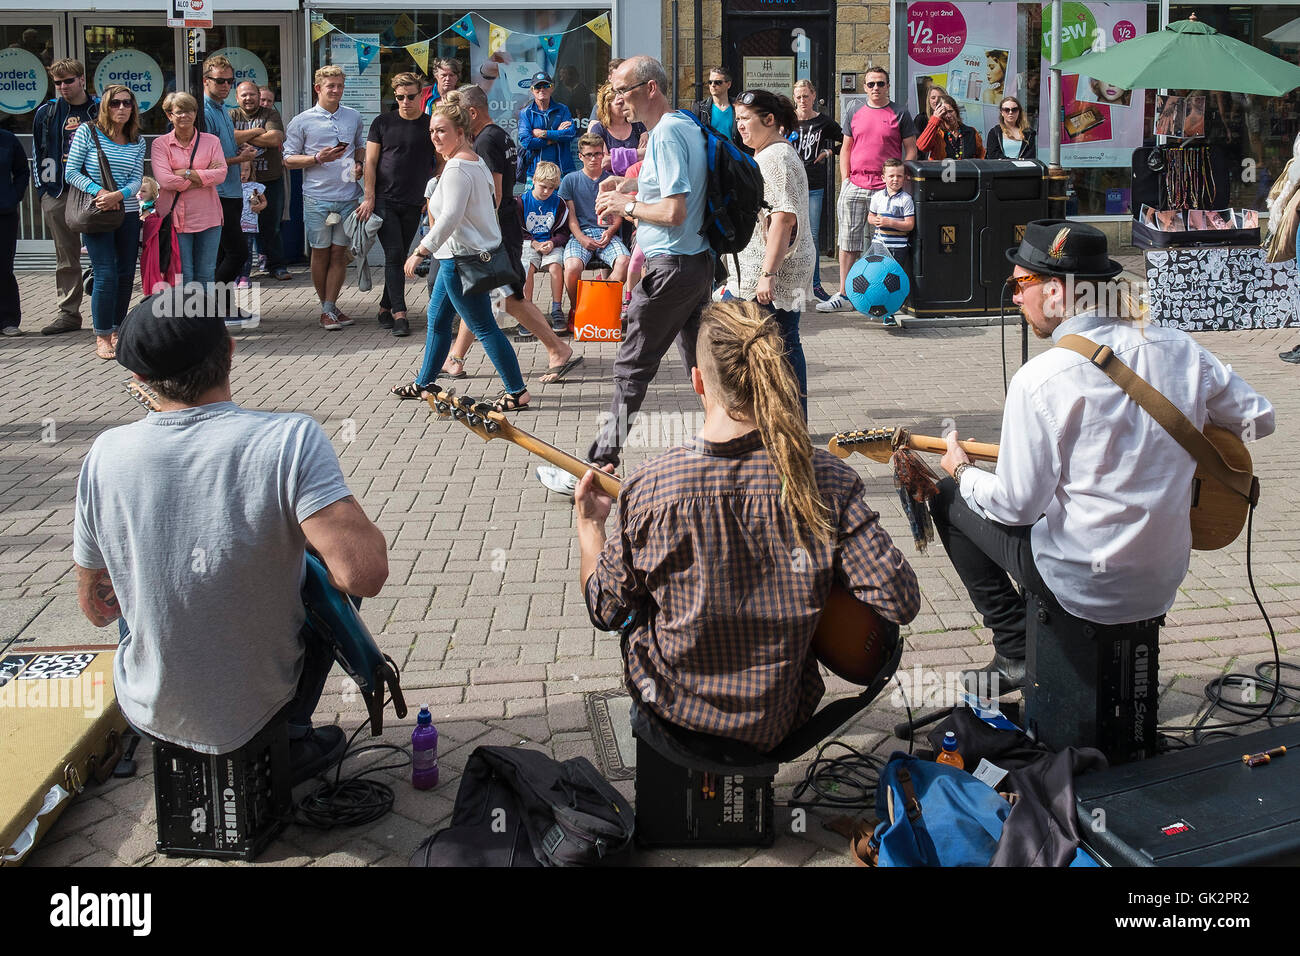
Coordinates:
(81,214)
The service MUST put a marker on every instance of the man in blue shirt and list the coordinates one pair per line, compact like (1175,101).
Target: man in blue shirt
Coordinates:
(545,130)
(218,77)
(667,204)
(717,109)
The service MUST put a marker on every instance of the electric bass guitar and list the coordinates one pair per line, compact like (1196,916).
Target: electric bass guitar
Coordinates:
(333,616)
(1218,513)
(851,640)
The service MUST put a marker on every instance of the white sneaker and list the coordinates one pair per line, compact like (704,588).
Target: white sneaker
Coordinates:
(557,479)
(836,303)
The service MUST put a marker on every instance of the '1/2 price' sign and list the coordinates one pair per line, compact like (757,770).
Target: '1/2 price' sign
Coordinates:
(936,33)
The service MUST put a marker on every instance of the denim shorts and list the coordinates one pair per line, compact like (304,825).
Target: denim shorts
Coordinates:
(609,255)
(314,214)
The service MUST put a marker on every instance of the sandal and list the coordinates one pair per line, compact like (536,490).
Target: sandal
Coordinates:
(104,347)
(556,373)
(408,390)
(509,402)
(459,362)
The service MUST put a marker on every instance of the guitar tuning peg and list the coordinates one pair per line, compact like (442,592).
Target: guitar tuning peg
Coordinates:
(473,420)
(441,407)
(467,402)
(492,427)
(482,408)
(458,413)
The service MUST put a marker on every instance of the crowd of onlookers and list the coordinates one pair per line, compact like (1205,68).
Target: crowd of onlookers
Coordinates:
(212,210)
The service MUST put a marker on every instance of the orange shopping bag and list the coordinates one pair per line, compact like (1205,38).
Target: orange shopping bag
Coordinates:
(597,316)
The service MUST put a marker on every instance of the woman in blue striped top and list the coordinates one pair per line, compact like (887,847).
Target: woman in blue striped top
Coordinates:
(113,254)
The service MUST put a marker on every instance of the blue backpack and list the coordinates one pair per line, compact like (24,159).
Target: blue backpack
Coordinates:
(734,193)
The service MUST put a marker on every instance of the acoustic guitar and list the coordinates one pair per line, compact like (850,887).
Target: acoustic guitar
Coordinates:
(851,640)
(1218,513)
(333,616)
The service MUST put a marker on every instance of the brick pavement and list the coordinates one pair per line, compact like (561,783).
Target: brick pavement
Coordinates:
(482,608)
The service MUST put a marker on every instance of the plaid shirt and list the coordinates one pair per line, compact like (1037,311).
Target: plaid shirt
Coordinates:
(725,599)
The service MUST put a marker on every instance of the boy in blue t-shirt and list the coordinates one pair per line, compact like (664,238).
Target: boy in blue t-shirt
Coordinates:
(893,215)
(545,219)
(588,236)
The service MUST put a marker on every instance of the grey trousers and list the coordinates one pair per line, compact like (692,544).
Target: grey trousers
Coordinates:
(67,255)
(665,306)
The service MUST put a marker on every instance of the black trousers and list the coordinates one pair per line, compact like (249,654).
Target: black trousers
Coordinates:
(983,553)
(268,224)
(10,310)
(233,252)
(401,222)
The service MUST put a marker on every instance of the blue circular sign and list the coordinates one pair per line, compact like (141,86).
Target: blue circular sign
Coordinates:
(248,66)
(137,71)
(23,81)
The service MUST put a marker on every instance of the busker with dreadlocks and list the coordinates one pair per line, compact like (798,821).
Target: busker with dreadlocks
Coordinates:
(729,545)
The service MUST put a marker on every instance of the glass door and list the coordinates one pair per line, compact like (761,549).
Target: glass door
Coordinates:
(28,45)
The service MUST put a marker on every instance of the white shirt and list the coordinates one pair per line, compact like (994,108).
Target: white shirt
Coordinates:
(1108,490)
(464,211)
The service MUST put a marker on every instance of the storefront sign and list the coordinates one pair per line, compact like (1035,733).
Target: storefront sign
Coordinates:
(1101,124)
(964,48)
(137,71)
(23,81)
(248,66)
(772,73)
(190,13)
(361,85)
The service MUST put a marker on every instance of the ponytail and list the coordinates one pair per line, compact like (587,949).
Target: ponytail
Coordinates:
(746,353)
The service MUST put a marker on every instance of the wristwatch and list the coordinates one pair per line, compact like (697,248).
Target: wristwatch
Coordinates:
(627,210)
(188,172)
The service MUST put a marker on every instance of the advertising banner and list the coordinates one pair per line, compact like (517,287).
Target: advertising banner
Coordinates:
(968,49)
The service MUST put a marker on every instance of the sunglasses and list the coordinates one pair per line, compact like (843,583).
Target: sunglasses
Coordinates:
(625,92)
(1011,109)
(66,80)
(403,97)
(716,82)
(223,80)
(872,84)
(541,86)
(121,104)
(1024,282)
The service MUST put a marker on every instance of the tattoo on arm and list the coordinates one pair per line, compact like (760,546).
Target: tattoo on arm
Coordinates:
(98,599)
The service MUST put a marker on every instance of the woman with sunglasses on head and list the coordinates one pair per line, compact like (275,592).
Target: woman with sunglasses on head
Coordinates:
(113,254)
(189,166)
(1012,138)
(462,222)
(947,137)
(776,268)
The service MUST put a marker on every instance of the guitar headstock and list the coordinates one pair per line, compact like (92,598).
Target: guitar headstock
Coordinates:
(875,443)
(145,395)
(478,417)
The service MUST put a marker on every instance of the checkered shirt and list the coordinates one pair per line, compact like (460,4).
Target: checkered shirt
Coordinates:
(724,597)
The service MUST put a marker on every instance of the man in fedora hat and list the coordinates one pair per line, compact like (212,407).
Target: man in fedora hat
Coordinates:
(1088,506)
(191,527)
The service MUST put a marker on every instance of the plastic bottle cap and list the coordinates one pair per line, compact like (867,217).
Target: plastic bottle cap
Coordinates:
(950,741)
(425,718)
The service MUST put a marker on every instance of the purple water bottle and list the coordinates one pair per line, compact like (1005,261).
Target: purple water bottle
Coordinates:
(424,752)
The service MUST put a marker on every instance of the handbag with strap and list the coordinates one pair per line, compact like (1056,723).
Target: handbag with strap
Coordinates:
(1194,442)
(81,214)
(485,271)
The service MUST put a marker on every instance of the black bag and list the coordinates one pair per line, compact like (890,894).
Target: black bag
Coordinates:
(81,214)
(518,807)
(485,271)
(734,194)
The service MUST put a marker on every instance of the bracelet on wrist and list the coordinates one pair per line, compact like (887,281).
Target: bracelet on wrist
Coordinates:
(959,471)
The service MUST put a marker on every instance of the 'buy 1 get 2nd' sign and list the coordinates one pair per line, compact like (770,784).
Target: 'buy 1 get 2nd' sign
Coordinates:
(190,13)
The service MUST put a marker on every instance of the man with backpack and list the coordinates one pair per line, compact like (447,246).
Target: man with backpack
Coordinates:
(667,202)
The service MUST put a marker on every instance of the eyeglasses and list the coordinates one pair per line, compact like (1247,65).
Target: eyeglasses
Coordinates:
(591,155)
(1011,109)
(1024,282)
(121,104)
(716,82)
(403,97)
(618,92)
(181,112)
(872,84)
(66,80)
(224,80)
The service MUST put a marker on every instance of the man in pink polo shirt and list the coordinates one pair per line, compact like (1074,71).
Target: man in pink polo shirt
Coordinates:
(877,131)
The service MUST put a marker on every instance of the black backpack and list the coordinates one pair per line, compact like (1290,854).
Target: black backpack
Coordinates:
(518,807)
(734,193)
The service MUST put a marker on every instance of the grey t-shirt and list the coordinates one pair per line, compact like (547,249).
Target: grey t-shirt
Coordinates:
(196,515)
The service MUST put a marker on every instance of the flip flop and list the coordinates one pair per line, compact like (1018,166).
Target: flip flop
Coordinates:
(556,373)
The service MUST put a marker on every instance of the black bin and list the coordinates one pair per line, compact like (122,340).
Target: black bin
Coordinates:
(968,213)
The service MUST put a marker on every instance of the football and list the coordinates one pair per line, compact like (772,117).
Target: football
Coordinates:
(877,285)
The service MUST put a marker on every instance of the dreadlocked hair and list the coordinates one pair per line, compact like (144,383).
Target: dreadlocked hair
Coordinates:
(746,355)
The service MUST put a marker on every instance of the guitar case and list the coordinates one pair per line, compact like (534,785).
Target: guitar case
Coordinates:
(62,731)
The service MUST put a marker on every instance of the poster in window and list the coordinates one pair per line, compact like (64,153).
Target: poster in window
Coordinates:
(962,48)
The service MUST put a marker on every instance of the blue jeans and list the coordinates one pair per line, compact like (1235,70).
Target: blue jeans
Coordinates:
(445,300)
(113,256)
(199,255)
(789,325)
(816,200)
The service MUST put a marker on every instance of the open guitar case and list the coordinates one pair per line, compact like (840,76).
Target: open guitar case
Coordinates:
(1150,166)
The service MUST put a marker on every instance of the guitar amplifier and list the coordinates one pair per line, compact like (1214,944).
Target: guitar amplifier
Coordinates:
(225,806)
(1202,806)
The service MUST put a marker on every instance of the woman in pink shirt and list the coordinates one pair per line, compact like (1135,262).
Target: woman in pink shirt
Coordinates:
(188,170)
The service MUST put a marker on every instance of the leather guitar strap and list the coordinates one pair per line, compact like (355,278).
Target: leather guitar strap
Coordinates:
(1167,414)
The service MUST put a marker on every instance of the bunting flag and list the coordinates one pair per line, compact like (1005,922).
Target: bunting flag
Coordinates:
(465,27)
(497,37)
(365,53)
(420,54)
(600,27)
(550,44)
(404,26)
(319,28)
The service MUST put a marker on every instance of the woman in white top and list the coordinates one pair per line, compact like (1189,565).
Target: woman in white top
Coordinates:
(462,221)
(776,268)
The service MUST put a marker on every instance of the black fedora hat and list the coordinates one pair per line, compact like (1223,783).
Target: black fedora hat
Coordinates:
(1060,247)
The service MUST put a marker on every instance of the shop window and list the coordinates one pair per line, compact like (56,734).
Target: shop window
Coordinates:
(254,51)
(25,53)
(140,57)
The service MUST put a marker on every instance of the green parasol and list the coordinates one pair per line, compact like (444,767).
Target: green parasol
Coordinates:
(1188,55)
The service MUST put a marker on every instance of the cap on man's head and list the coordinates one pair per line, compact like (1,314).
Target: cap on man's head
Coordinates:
(1062,247)
(540,78)
(169,333)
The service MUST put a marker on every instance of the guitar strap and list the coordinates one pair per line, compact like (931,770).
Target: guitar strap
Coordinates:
(1167,414)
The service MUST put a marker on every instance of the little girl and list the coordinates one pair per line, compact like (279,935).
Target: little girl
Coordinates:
(160,253)
(254,202)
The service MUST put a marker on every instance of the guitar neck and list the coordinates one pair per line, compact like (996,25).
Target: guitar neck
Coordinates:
(977,450)
(610,484)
